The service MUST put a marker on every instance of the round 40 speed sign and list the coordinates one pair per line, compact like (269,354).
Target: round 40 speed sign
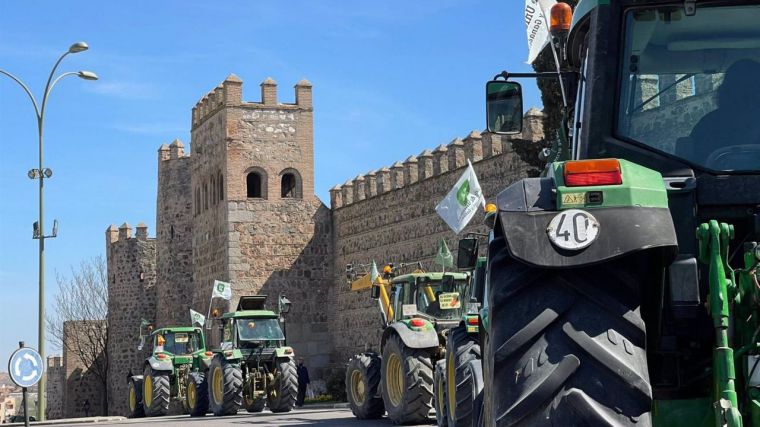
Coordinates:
(573,229)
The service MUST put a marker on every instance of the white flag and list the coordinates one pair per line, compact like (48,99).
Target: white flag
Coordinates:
(460,205)
(196,317)
(222,290)
(536,19)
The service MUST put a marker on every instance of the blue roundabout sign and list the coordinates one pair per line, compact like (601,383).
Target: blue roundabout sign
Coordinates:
(26,367)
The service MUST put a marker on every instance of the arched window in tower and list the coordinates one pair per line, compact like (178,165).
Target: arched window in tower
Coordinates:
(254,185)
(197,200)
(214,199)
(290,184)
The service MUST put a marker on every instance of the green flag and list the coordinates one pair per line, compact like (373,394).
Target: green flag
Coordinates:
(444,257)
(196,317)
(373,273)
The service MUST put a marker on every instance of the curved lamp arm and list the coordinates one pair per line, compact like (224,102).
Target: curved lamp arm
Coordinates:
(48,86)
(26,89)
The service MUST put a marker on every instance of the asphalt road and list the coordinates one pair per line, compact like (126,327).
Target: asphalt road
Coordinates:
(300,417)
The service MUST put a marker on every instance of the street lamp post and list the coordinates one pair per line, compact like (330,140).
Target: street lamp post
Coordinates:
(42,173)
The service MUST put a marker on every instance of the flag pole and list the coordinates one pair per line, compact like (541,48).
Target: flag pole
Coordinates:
(208,315)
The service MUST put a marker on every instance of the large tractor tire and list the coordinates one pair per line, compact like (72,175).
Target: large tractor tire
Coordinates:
(363,386)
(407,382)
(282,394)
(439,397)
(461,349)
(156,392)
(197,394)
(254,405)
(566,346)
(225,388)
(135,396)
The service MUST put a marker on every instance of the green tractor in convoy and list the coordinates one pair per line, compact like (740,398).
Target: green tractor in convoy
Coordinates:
(253,368)
(417,311)
(174,371)
(622,285)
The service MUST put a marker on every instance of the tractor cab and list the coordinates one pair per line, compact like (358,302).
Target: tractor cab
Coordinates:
(437,297)
(178,341)
(249,329)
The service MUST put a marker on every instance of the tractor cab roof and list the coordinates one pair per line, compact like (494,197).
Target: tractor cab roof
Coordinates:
(432,277)
(171,329)
(248,314)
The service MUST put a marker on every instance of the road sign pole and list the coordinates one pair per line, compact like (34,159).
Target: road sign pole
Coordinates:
(26,407)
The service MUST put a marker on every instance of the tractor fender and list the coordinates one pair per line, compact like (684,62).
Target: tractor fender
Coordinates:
(412,339)
(160,364)
(284,352)
(527,207)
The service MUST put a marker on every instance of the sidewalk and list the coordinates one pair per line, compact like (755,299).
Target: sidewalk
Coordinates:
(68,421)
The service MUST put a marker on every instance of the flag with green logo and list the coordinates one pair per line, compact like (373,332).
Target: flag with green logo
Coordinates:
(444,257)
(222,290)
(196,317)
(461,203)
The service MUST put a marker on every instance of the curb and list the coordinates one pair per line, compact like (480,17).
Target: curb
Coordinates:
(341,405)
(89,420)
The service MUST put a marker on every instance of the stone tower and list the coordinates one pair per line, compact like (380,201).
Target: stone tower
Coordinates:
(256,221)
(174,236)
(131,297)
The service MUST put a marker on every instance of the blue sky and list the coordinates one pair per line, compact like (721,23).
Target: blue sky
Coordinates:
(390,79)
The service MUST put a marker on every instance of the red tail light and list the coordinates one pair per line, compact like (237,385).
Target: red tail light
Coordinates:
(417,322)
(583,173)
(472,320)
(161,356)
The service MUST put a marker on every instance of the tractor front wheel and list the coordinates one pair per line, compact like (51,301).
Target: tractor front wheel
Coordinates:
(439,400)
(156,392)
(461,349)
(282,394)
(566,346)
(363,386)
(407,382)
(225,389)
(135,399)
(251,402)
(197,394)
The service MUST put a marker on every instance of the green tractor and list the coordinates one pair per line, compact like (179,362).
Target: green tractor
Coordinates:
(622,285)
(458,376)
(253,368)
(417,312)
(174,371)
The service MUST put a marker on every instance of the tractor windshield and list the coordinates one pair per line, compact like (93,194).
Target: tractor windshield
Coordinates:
(438,301)
(259,330)
(691,84)
(181,342)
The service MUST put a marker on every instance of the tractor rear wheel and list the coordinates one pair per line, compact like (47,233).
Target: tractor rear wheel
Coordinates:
(225,389)
(135,399)
(461,349)
(407,382)
(363,386)
(282,394)
(197,394)
(566,346)
(439,398)
(156,392)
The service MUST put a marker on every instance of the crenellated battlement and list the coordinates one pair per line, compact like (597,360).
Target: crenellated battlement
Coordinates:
(476,146)
(230,94)
(124,233)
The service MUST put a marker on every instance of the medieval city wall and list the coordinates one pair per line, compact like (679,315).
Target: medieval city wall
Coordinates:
(131,297)
(389,216)
(83,393)
(56,378)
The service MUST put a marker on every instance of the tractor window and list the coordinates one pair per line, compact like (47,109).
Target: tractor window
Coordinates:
(259,329)
(690,85)
(434,301)
(181,342)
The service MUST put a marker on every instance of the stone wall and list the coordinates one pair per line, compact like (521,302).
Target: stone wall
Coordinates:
(56,378)
(131,297)
(174,236)
(83,389)
(389,215)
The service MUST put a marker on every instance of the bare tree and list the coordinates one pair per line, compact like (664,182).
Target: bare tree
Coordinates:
(78,323)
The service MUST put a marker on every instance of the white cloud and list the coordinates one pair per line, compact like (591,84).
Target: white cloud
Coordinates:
(123,89)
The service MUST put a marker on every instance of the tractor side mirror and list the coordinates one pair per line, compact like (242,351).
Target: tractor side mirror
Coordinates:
(375,292)
(467,255)
(504,107)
